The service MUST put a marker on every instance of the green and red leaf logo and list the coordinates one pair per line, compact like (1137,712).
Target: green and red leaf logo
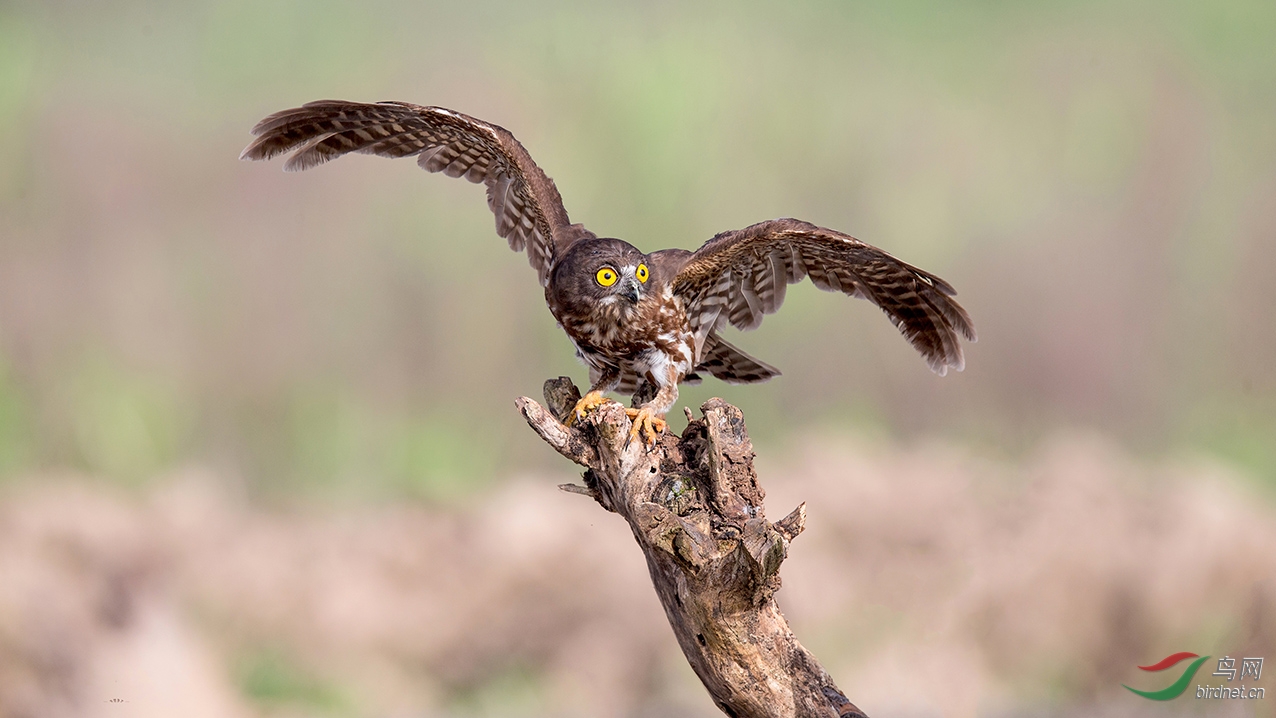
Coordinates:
(1175,689)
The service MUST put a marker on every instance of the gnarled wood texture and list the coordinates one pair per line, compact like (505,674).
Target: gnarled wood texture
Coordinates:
(695,507)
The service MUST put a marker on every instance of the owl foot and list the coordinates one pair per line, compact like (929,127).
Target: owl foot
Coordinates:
(646,422)
(587,403)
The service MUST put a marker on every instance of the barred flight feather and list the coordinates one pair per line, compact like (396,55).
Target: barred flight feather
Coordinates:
(526,206)
(919,304)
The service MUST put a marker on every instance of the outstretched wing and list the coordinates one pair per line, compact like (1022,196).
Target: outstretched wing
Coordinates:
(529,211)
(739,276)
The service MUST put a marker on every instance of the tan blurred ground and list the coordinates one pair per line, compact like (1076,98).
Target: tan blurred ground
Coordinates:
(931,583)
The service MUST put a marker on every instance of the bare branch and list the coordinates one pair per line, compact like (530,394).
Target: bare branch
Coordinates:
(696,508)
(564,440)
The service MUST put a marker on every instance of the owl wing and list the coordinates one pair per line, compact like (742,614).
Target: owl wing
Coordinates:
(529,211)
(739,276)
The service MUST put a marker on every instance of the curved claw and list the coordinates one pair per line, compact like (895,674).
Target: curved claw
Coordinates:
(646,423)
(587,403)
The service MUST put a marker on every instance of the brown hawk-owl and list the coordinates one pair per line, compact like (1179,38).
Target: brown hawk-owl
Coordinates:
(634,318)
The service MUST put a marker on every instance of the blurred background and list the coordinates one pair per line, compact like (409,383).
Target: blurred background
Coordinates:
(258,450)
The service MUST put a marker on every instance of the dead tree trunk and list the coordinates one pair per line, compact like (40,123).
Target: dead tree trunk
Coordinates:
(695,507)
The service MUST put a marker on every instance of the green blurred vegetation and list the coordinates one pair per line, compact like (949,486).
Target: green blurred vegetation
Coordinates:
(276,681)
(513,691)
(1097,179)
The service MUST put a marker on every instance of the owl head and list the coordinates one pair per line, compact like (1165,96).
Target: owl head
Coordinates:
(608,275)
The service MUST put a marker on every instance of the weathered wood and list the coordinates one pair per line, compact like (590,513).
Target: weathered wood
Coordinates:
(695,508)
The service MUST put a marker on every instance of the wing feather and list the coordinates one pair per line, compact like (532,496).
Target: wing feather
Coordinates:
(528,210)
(740,276)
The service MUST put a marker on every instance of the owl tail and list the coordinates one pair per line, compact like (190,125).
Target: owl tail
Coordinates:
(732,365)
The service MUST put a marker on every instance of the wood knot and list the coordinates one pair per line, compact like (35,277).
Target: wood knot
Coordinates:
(561,396)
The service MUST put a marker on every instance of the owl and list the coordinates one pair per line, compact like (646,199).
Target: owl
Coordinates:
(643,323)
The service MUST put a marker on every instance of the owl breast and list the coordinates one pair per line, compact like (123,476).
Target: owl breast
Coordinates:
(652,339)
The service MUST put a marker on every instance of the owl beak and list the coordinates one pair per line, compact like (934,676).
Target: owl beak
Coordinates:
(630,291)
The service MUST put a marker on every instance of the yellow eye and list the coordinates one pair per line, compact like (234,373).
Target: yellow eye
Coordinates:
(642,273)
(606,276)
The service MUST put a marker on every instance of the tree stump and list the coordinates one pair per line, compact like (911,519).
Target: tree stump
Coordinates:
(695,508)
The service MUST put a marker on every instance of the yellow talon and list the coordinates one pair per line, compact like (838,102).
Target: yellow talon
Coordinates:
(588,402)
(647,423)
